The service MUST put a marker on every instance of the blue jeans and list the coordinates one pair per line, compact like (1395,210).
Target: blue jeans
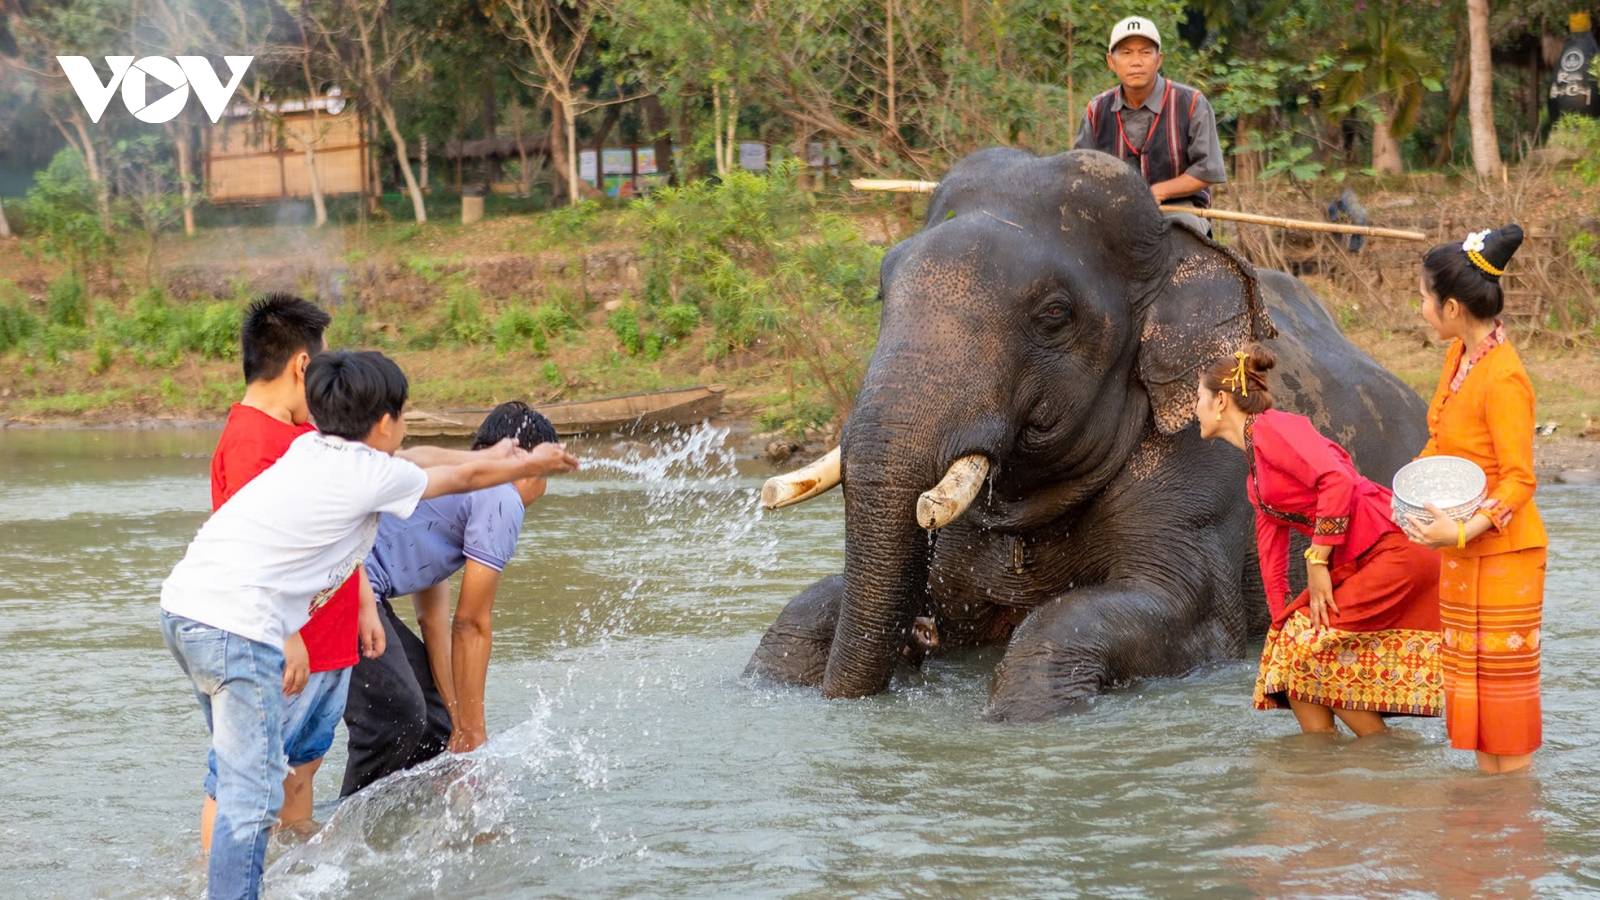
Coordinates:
(310,719)
(239,683)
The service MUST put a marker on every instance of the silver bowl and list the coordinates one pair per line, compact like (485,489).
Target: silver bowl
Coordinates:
(1451,483)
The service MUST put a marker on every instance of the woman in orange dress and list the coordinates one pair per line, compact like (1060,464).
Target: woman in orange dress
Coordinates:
(1362,641)
(1491,585)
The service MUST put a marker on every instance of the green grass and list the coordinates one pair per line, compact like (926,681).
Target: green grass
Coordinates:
(76,402)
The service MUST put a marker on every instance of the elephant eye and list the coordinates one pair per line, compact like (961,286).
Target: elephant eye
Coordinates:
(1054,313)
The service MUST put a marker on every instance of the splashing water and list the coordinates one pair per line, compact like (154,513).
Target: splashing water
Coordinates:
(443,819)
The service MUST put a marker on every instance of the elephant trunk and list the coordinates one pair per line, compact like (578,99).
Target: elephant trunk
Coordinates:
(892,457)
(886,570)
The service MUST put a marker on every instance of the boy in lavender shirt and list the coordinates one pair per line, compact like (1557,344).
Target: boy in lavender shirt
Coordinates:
(426,696)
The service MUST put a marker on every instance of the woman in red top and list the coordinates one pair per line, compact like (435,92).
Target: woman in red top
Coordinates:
(1362,641)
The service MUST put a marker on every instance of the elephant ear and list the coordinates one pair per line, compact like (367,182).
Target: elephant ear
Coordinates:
(1209,306)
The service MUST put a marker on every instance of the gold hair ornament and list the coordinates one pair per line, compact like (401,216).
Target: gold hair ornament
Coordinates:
(1239,380)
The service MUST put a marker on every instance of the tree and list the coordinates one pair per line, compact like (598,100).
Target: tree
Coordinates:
(1480,92)
(555,33)
(369,45)
(91,28)
(145,196)
(1391,73)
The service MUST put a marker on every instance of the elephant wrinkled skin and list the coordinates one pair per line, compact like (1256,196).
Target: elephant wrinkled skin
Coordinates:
(1049,319)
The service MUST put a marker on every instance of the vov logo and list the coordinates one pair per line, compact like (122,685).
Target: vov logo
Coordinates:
(186,72)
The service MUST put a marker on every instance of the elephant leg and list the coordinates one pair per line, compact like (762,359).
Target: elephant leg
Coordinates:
(1066,651)
(795,649)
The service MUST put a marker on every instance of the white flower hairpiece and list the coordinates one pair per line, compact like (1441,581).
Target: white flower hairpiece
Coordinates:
(1474,242)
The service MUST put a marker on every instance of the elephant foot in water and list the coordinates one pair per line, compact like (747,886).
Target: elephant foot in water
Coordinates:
(1058,660)
(795,649)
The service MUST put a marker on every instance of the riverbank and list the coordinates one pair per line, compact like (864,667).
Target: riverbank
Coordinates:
(566,306)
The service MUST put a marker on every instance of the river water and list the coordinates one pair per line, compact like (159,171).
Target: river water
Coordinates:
(628,758)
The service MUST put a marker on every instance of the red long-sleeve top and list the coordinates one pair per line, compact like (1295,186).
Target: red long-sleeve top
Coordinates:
(1300,480)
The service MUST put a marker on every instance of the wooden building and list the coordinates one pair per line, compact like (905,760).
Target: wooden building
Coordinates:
(259,154)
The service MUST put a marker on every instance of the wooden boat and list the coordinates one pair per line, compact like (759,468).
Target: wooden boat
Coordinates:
(625,414)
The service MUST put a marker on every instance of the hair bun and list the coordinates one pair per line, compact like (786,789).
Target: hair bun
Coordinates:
(1499,246)
(1261,359)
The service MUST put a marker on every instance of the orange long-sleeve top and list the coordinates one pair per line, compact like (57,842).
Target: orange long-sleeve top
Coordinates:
(1489,420)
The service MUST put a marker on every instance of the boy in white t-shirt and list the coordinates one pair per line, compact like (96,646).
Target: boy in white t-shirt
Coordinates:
(276,551)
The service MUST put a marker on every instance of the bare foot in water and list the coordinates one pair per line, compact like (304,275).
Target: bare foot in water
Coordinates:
(296,832)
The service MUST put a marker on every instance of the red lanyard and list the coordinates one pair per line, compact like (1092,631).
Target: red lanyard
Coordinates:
(1165,94)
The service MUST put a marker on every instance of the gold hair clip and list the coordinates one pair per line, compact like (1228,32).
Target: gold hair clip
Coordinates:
(1239,381)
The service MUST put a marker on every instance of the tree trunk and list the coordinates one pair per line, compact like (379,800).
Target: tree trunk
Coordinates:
(1480,93)
(522,152)
(731,144)
(317,201)
(558,153)
(1459,73)
(1386,159)
(92,161)
(385,110)
(572,152)
(607,122)
(888,14)
(655,119)
(490,128)
(5,227)
(185,178)
(716,131)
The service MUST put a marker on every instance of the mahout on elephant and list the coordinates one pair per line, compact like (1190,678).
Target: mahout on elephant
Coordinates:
(1031,400)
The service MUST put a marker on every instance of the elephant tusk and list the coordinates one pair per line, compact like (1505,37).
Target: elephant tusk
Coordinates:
(951,496)
(802,484)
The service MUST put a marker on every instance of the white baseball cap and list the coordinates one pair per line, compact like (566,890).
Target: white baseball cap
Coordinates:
(1134,26)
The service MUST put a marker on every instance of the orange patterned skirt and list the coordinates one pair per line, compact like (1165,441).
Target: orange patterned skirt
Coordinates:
(1491,608)
(1382,652)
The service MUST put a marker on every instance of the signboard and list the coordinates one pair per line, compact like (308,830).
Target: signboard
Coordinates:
(820,155)
(588,165)
(619,186)
(616,161)
(647,160)
(753,156)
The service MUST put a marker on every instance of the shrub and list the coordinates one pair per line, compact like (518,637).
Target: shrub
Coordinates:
(518,328)
(759,261)
(556,317)
(461,320)
(17,322)
(67,302)
(624,323)
(156,326)
(348,329)
(63,208)
(1581,134)
(679,319)
(551,372)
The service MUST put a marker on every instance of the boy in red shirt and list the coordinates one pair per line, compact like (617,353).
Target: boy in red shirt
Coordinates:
(279,336)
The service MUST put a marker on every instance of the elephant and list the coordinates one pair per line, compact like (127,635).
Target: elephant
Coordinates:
(1031,401)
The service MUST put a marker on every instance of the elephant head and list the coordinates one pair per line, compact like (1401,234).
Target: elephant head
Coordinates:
(1044,320)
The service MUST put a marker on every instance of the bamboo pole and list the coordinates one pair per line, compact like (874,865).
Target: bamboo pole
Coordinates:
(892,186)
(927,187)
(1297,224)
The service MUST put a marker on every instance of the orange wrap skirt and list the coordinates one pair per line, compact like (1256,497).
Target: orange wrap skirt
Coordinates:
(1490,608)
(1382,651)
